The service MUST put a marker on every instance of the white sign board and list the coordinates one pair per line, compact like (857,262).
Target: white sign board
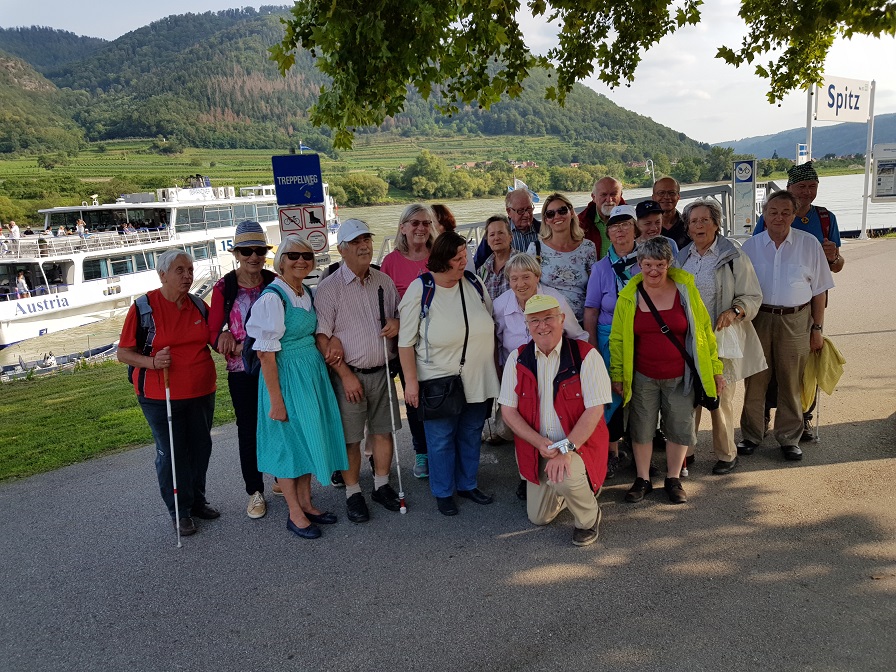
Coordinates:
(840,99)
(744,193)
(307,221)
(884,174)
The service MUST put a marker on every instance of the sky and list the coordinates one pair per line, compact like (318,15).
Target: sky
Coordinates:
(679,82)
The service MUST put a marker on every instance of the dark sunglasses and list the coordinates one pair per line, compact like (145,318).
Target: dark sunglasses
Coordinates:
(295,256)
(561,211)
(249,251)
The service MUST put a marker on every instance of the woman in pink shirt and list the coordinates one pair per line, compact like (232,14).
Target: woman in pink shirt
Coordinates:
(404,264)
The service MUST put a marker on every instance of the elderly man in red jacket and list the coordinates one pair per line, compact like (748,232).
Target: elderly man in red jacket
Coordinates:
(552,397)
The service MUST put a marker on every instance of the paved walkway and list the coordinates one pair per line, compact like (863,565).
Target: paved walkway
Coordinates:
(777,566)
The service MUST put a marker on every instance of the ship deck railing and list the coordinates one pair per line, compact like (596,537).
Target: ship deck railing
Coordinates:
(30,247)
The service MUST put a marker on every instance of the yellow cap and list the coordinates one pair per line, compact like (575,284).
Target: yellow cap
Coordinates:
(541,302)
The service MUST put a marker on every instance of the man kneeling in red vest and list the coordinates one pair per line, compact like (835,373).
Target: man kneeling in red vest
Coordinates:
(552,397)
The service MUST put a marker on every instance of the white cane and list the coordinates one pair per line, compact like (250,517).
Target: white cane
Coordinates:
(389,383)
(171,446)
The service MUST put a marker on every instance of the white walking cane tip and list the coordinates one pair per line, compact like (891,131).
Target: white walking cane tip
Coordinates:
(404,509)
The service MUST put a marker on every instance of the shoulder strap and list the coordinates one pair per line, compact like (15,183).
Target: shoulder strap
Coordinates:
(429,290)
(146,325)
(538,249)
(473,279)
(231,289)
(200,306)
(824,216)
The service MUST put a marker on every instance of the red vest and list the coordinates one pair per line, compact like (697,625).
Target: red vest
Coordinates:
(569,404)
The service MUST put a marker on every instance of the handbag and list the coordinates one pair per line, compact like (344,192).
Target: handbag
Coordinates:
(444,397)
(700,396)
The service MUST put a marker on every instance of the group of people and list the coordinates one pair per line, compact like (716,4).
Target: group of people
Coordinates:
(577,330)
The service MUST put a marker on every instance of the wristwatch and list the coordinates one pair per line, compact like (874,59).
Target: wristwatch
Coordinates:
(817,327)
(737,311)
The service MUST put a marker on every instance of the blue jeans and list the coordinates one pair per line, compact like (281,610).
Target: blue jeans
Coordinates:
(192,423)
(453,445)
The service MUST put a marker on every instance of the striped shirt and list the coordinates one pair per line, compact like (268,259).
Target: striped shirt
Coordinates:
(595,386)
(348,308)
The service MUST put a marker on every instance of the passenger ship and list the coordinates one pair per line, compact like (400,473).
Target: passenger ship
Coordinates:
(75,280)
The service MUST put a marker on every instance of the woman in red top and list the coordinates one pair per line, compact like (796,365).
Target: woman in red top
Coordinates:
(180,344)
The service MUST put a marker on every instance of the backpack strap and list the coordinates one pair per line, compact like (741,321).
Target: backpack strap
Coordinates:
(200,306)
(232,290)
(146,334)
(429,291)
(824,216)
(473,279)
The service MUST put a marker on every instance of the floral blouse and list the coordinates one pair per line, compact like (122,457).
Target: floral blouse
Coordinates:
(568,272)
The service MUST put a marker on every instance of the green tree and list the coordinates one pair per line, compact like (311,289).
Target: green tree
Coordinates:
(10,210)
(471,52)
(363,189)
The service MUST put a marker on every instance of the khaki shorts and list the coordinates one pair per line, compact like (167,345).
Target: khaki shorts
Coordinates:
(372,411)
(650,396)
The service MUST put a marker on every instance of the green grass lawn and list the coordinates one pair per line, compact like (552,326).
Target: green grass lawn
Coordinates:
(60,419)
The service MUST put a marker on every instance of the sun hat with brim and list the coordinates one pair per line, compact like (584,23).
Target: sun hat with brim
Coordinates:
(540,302)
(250,234)
(621,213)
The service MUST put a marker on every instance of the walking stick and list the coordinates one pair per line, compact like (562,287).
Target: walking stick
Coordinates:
(389,383)
(171,446)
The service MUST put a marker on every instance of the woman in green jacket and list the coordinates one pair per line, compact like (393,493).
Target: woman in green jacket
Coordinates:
(649,371)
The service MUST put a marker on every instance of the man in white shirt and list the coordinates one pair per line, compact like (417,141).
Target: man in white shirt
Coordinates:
(794,275)
(554,390)
(14,230)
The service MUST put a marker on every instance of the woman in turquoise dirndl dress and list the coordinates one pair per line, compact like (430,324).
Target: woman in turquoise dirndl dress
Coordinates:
(299,426)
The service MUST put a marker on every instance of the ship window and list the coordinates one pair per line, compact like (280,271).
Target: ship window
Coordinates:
(122,265)
(267,213)
(218,217)
(199,251)
(140,262)
(241,213)
(94,269)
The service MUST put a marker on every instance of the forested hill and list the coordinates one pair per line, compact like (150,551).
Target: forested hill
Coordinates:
(205,80)
(46,48)
(837,140)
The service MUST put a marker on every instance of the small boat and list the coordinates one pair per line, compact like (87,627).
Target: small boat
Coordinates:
(50,363)
(92,260)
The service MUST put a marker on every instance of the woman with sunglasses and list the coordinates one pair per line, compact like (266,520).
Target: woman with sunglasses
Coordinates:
(299,427)
(566,255)
(405,264)
(232,297)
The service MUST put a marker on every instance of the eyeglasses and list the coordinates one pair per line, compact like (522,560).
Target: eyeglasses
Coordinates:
(295,256)
(249,251)
(419,222)
(523,211)
(625,224)
(559,212)
(660,194)
(548,321)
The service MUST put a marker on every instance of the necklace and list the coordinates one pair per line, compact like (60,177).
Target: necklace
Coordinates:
(805,218)
(299,292)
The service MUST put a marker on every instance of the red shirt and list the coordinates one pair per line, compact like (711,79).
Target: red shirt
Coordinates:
(655,355)
(192,372)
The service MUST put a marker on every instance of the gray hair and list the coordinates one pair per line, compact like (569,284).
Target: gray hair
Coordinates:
(286,245)
(164,261)
(522,262)
(715,211)
(401,240)
(498,218)
(657,248)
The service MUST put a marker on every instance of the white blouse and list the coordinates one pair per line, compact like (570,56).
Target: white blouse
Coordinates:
(267,322)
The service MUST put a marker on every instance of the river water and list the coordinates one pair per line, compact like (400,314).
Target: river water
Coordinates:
(841,194)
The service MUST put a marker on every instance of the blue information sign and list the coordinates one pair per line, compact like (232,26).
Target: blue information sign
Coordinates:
(297,179)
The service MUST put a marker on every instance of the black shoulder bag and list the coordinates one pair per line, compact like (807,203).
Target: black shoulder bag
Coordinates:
(444,397)
(700,396)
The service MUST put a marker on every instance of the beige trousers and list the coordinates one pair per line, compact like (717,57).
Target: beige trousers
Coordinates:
(785,343)
(722,425)
(544,502)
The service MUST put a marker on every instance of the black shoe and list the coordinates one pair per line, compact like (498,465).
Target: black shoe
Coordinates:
(521,490)
(325,518)
(673,489)
(689,460)
(446,505)
(336,480)
(205,512)
(386,496)
(584,537)
(637,492)
(356,508)
(808,434)
(612,464)
(792,453)
(187,526)
(310,532)
(722,467)
(746,447)
(476,495)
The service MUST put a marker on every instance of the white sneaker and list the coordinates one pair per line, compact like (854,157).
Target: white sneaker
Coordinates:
(257,506)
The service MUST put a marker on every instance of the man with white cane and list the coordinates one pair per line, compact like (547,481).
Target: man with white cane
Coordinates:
(347,303)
